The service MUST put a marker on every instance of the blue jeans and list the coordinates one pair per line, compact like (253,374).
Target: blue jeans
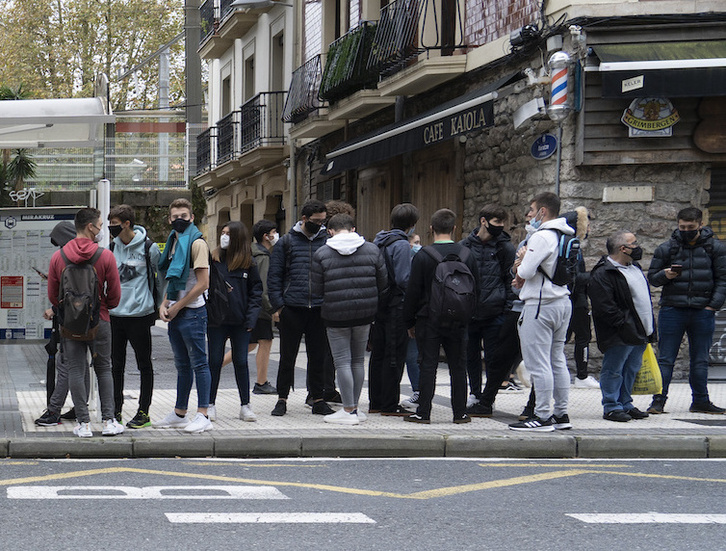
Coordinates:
(698,324)
(239,337)
(620,365)
(188,335)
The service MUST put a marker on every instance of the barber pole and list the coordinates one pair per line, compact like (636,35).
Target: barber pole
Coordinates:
(559,106)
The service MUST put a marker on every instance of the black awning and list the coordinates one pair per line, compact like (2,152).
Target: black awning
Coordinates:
(663,69)
(472,111)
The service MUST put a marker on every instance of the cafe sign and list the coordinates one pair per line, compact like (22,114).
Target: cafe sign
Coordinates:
(650,118)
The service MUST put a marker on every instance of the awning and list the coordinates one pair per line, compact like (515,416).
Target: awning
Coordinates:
(663,69)
(472,111)
(74,122)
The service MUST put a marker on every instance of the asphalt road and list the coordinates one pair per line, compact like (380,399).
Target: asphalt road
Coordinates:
(386,504)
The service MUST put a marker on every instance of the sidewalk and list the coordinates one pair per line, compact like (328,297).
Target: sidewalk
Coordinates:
(299,433)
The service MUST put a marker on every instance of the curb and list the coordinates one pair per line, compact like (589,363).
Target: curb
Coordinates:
(512,446)
(669,447)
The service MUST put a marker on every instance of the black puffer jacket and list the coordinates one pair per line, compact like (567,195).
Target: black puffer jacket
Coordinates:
(494,260)
(613,313)
(703,280)
(288,280)
(349,274)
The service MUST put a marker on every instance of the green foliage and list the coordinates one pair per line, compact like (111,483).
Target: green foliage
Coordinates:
(14,172)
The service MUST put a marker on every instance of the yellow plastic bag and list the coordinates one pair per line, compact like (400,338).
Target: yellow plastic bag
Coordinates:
(648,380)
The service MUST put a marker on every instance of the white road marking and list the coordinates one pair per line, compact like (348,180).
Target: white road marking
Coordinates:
(650,518)
(268,518)
(147,492)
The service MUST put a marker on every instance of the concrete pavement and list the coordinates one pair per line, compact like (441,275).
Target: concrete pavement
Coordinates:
(299,433)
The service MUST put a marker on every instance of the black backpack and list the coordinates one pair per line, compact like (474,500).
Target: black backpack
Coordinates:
(218,297)
(79,305)
(568,254)
(453,290)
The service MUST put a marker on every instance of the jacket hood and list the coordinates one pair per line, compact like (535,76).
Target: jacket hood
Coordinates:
(559,224)
(80,249)
(297,228)
(386,237)
(139,238)
(345,243)
(706,234)
(259,250)
(578,219)
(62,233)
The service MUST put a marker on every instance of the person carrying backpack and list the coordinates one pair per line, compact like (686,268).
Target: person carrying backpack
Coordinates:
(437,308)
(142,288)
(83,283)
(234,276)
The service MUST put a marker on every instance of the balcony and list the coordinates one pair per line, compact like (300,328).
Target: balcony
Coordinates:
(222,24)
(243,142)
(211,45)
(415,45)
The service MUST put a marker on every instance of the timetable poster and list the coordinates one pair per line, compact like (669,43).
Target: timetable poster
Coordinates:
(25,251)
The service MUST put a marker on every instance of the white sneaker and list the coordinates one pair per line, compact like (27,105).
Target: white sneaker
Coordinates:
(212,412)
(342,417)
(171,421)
(590,382)
(83,430)
(410,403)
(199,424)
(111,427)
(362,417)
(523,375)
(245,413)
(471,400)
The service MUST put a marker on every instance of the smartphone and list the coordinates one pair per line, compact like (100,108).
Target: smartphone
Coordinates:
(677,268)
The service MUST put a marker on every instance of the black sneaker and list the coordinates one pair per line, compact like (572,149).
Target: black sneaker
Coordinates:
(309,400)
(398,412)
(707,407)
(527,413)
(117,416)
(69,415)
(635,413)
(264,388)
(617,416)
(139,421)
(280,408)
(461,419)
(534,424)
(561,422)
(48,419)
(479,410)
(416,418)
(333,397)
(321,408)
(657,405)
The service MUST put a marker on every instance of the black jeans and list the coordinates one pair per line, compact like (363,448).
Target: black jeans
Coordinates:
(504,356)
(294,323)
(580,326)
(136,331)
(482,332)
(430,338)
(389,345)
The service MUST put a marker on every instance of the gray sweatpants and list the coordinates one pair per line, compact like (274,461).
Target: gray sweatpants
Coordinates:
(542,338)
(348,348)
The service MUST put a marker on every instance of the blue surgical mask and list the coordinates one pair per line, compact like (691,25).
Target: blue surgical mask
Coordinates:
(535,222)
(415,249)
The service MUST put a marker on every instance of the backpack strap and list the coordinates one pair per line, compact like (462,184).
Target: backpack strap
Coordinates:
(463,253)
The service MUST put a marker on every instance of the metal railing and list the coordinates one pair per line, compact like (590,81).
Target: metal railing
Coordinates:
(346,69)
(205,155)
(303,95)
(225,6)
(227,137)
(408,28)
(209,20)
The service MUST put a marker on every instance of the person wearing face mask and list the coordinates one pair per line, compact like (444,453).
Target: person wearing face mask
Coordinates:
(289,287)
(691,268)
(233,261)
(84,248)
(623,315)
(142,288)
(494,253)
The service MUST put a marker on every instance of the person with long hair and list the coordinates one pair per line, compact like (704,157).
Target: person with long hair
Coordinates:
(233,261)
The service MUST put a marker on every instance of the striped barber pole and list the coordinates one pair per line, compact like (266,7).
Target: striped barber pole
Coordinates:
(559,87)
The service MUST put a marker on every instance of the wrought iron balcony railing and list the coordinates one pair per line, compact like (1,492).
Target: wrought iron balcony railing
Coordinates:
(303,96)
(408,28)
(205,155)
(225,6)
(346,69)
(227,137)
(210,19)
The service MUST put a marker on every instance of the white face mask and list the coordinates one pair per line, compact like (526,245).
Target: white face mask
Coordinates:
(274,238)
(99,237)
(224,241)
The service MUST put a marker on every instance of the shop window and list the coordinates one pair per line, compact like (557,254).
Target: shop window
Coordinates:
(329,190)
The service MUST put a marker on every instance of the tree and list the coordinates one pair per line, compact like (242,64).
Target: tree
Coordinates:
(57,47)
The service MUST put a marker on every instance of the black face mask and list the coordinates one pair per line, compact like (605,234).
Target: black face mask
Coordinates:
(180,225)
(312,228)
(116,230)
(688,236)
(636,253)
(495,231)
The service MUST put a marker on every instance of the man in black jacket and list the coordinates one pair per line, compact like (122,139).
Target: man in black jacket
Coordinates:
(494,253)
(623,316)
(691,268)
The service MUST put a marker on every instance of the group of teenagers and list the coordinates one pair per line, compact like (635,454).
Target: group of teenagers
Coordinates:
(345,295)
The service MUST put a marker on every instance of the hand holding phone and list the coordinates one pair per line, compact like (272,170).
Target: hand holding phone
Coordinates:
(677,268)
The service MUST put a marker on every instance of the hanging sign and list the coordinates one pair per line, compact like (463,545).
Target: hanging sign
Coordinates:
(544,147)
(650,118)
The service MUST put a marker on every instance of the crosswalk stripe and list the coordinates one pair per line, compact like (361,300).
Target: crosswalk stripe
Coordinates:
(650,518)
(268,518)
